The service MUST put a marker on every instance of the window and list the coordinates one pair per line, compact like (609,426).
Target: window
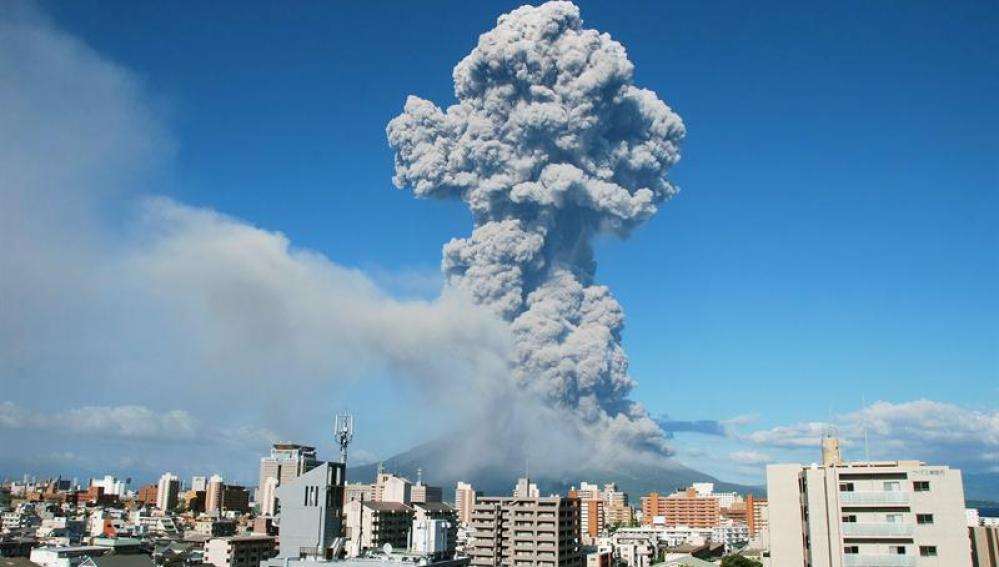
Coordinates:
(924,518)
(851,519)
(921,486)
(851,549)
(928,550)
(893,518)
(846,487)
(897,549)
(892,486)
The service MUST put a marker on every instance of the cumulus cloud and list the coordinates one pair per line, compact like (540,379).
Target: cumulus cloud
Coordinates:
(549,144)
(920,429)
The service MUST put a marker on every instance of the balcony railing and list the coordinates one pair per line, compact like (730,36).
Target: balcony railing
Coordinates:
(877,529)
(857,560)
(867,498)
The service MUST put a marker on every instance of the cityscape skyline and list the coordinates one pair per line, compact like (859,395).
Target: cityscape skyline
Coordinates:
(131,281)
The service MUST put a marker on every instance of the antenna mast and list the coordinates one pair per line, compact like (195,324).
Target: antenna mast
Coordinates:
(344,432)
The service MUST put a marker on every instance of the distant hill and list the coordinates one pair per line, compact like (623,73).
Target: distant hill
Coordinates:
(636,480)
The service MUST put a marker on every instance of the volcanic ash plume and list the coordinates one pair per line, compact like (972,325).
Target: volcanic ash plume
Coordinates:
(549,144)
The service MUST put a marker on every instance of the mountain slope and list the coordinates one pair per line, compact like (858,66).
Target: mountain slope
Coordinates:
(635,479)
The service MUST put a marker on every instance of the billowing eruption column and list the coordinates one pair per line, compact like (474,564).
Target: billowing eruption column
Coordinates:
(549,144)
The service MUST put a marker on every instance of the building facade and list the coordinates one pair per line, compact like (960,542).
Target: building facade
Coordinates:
(286,462)
(464,501)
(167,491)
(898,513)
(687,508)
(526,531)
(239,551)
(312,513)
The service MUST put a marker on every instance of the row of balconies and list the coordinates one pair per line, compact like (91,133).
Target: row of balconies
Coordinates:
(872,529)
(873,498)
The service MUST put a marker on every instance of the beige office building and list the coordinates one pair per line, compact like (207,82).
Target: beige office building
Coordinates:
(286,462)
(525,531)
(866,514)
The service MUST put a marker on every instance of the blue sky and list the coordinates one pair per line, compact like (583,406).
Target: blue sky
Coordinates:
(836,232)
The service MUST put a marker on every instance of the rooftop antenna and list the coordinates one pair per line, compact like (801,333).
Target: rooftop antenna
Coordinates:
(344,432)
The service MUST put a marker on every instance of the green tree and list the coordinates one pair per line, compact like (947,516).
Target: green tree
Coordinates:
(739,561)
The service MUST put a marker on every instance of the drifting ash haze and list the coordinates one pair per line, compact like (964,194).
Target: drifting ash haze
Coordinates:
(549,144)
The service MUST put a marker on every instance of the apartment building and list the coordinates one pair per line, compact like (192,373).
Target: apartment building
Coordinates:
(853,514)
(984,546)
(371,525)
(240,551)
(526,531)
(687,508)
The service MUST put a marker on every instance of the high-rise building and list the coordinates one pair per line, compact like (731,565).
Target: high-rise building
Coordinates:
(692,508)
(286,462)
(213,494)
(756,515)
(312,513)
(464,501)
(167,491)
(422,493)
(899,513)
(525,530)
(199,483)
(600,508)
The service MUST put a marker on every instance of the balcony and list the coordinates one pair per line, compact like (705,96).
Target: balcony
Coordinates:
(856,560)
(884,529)
(873,498)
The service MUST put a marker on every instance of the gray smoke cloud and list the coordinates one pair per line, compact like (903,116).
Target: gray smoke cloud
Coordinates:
(549,144)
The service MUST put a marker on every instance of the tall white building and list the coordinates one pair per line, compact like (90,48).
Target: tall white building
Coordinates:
(199,483)
(111,485)
(858,514)
(286,462)
(167,492)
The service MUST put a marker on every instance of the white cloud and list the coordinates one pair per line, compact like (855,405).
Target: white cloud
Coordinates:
(131,422)
(922,429)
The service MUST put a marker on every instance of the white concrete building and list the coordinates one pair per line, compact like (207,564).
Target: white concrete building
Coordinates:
(167,492)
(65,556)
(894,514)
(111,485)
